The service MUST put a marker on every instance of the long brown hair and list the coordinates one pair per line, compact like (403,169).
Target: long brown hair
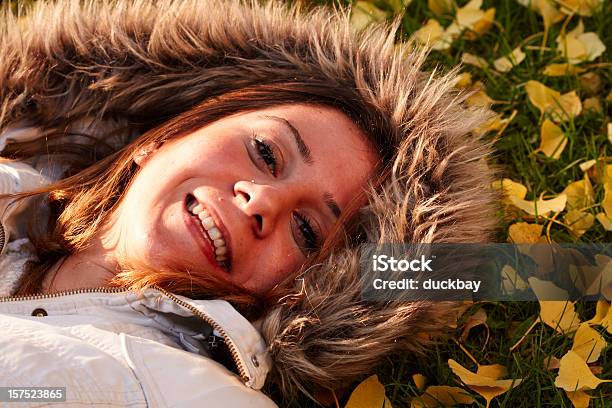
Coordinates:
(81,202)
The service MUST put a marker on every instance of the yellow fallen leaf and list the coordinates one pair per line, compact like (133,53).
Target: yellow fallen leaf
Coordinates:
(398,5)
(582,7)
(580,194)
(442,395)
(606,204)
(551,363)
(574,374)
(369,394)
(493,371)
(541,206)
(439,7)
(557,314)
(552,140)
(588,343)
(593,279)
(433,35)
(489,388)
(604,220)
(578,222)
(506,63)
(590,82)
(471,59)
(510,188)
(511,280)
(481,26)
(592,104)
(580,399)
(584,166)
(419,380)
(546,9)
(562,70)
(547,100)
(480,99)
(363,13)
(601,311)
(578,46)
(610,132)
(463,80)
(525,233)
(478,318)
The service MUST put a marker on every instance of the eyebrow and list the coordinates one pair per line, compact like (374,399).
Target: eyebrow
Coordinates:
(328,198)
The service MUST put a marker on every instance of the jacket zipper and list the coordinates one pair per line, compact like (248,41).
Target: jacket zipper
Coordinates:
(231,345)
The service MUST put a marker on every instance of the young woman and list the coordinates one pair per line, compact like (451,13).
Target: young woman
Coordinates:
(197,180)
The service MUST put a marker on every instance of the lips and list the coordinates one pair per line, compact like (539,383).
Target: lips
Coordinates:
(201,237)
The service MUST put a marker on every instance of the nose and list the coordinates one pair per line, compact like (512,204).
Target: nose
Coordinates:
(263,204)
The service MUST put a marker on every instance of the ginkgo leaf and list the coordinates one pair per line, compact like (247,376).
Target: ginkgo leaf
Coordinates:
(471,59)
(606,204)
(511,281)
(541,206)
(581,7)
(463,80)
(364,13)
(578,46)
(493,371)
(488,387)
(562,70)
(593,279)
(551,363)
(441,395)
(510,188)
(578,222)
(558,314)
(574,374)
(506,63)
(439,7)
(433,35)
(525,233)
(419,380)
(588,343)
(477,319)
(369,394)
(580,193)
(552,140)
(601,310)
(592,104)
(547,100)
(398,5)
(473,20)
(579,399)
(604,220)
(546,9)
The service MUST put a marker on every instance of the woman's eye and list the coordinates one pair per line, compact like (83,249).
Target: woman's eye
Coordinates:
(266,154)
(310,236)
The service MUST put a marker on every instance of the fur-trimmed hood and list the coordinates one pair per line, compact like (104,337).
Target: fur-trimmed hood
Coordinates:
(131,65)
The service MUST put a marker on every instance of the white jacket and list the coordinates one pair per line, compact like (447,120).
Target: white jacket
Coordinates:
(110,347)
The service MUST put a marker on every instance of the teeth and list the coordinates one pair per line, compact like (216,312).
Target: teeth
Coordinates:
(198,209)
(214,233)
(207,222)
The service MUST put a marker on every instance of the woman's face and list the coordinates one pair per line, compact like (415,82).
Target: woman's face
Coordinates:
(265,185)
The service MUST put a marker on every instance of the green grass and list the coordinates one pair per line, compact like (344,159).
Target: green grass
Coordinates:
(508,321)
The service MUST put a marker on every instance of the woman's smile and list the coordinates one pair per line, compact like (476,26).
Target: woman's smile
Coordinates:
(212,236)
